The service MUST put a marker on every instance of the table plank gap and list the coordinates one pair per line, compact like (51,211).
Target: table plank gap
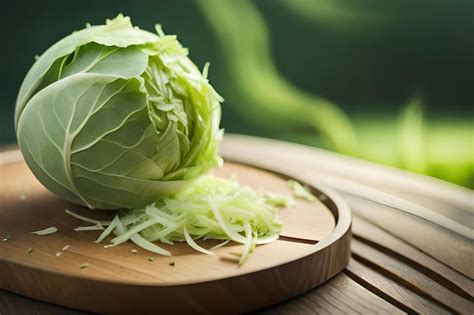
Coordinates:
(391,291)
(383,241)
(449,248)
(410,278)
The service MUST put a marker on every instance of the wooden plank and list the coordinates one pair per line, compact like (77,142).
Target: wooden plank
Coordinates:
(445,208)
(391,291)
(339,295)
(379,196)
(449,248)
(409,277)
(432,268)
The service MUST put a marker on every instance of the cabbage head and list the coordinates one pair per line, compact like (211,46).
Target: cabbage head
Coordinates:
(114,117)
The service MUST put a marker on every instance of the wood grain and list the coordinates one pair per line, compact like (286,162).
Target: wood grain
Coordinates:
(391,245)
(340,295)
(427,237)
(118,280)
(391,290)
(409,277)
(444,208)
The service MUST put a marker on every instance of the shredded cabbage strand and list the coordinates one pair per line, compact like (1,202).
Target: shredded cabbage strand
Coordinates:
(210,208)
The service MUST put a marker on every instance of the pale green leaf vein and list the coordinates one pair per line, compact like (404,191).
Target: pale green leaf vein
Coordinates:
(99,138)
(40,165)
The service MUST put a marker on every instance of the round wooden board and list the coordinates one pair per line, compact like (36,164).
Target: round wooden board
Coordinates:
(313,247)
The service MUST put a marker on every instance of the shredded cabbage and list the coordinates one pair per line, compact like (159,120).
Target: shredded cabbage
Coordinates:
(47,231)
(210,208)
(300,191)
(89,228)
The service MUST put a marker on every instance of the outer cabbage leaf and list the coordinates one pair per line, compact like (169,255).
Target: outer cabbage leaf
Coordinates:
(117,32)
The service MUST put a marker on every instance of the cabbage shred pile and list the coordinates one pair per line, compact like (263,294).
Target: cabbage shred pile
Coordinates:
(211,208)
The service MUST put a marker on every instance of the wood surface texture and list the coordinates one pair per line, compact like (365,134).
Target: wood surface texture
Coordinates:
(412,248)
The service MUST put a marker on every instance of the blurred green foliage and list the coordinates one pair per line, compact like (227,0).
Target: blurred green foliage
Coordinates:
(265,97)
(443,149)
(387,81)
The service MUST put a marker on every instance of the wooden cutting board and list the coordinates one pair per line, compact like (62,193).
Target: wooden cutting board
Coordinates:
(313,247)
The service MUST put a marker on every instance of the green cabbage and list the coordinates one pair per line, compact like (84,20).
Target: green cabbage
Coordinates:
(113,117)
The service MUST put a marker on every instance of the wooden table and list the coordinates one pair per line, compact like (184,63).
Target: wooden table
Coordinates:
(412,248)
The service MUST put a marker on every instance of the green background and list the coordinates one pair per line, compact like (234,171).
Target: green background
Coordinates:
(402,71)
